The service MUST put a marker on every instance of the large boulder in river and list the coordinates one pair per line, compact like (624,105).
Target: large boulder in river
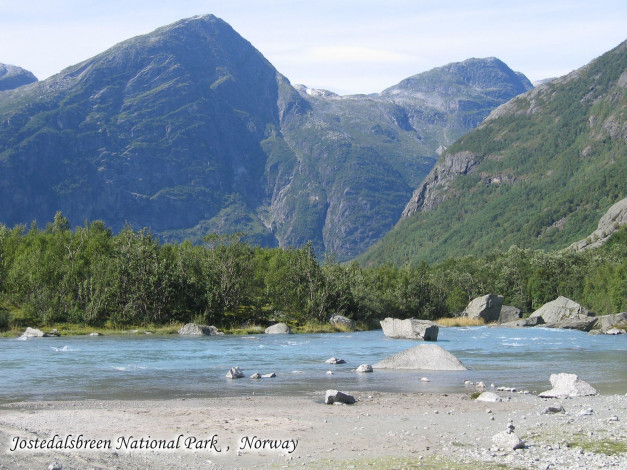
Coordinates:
(422,357)
(565,313)
(487,307)
(509,314)
(568,385)
(410,329)
(32,333)
(342,322)
(607,322)
(278,329)
(194,329)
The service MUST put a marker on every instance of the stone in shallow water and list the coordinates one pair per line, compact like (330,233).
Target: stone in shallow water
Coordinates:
(422,357)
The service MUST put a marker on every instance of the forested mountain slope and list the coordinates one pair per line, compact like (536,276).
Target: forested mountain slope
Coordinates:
(539,172)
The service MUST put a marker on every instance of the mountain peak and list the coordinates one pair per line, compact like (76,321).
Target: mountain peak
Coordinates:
(12,77)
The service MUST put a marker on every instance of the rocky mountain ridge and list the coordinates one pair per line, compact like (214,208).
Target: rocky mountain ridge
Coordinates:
(539,171)
(189,130)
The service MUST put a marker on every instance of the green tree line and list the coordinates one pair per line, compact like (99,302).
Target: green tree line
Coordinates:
(90,276)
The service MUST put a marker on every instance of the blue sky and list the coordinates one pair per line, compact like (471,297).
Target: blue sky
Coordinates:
(347,46)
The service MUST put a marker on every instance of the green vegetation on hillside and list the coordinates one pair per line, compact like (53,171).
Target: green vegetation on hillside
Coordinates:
(90,276)
(545,169)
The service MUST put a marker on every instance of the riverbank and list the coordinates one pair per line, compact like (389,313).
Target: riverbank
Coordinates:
(382,430)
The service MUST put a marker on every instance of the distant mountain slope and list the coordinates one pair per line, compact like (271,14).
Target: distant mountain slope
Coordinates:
(189,130)
(539,172)
(12,77)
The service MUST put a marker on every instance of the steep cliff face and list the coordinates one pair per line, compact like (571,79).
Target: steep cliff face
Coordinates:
(538,172)
(12,77)
(189,130)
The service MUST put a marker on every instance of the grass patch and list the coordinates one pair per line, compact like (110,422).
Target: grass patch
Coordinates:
(607,446)
(460,321)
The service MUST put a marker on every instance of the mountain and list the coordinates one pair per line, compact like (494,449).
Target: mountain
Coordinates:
(539,172)
(189,129)
(12,77)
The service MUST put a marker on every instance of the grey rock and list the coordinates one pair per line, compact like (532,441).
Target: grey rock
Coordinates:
(32,333)
(54,333)
(556,408)
(335,360)
(615,217)
(234,373)
(342,322)
(568,385)
(364,368)
(489,397)
(508,441)
(488,307)
(256,375)
(271,375)
(194,329)
(335,396)
(607,322)
(565,313)
(55,466)
(509,314)
(422,357)
(278,329)
(94,333)
(410,329)
(615,331)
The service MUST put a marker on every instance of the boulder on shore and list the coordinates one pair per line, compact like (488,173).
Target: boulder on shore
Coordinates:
(422,357)
(565,313)
(32,333)
(568,385)
(335,396)
(410,329)
(509,314)
(278,329)
(607,322)
(342,322)
(194,329)
(488,307)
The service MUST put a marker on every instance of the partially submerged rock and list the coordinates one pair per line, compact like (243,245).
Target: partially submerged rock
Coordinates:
(234,373)
(565,313)
(364,368)
(343,322)
(194,329)
(410,328)
(335,396)
(568,385)
(278,329)
(335,360)
(422,357)
(488,307)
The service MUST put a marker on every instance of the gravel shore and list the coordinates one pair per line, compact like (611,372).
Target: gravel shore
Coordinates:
(381,430)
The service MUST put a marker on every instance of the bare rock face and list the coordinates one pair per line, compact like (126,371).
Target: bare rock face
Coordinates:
(565,313)
(278,329)
(568,385)
(487,307)
(193,329)
(423,357)
(410,329)
(615,217)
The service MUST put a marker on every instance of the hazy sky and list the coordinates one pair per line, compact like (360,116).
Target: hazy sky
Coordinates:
(347,46)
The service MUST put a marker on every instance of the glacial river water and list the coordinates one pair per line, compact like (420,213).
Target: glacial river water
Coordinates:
(147,366)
